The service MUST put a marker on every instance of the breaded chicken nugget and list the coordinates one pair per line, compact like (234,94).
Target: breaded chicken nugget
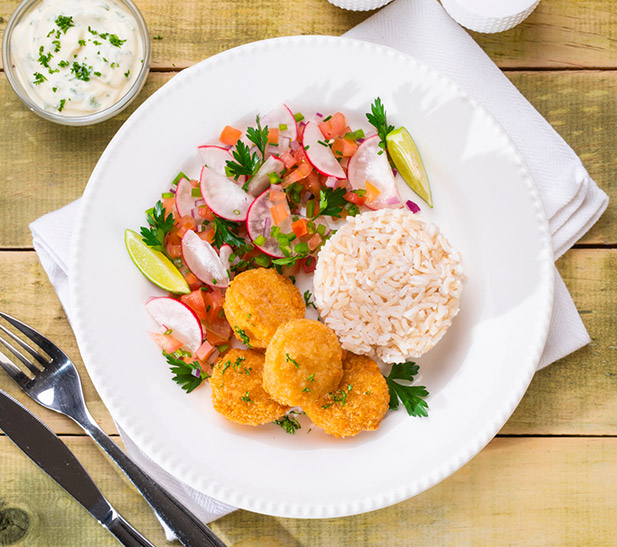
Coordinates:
(359,404)
(237,390)
(303,362)
(257,302)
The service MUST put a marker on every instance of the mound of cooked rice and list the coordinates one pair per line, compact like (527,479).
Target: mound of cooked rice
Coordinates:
(388,284)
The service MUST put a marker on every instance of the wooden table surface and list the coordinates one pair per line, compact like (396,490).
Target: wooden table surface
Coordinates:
(548,478)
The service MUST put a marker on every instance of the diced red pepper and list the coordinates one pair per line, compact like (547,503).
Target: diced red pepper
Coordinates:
(371,192)
(300,227)
(343,148)
(230,135)
(273,135)
(280,212)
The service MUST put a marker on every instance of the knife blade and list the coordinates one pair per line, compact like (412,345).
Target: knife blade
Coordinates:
(46,450)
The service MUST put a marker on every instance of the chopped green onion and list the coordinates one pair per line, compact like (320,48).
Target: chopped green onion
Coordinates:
(302,248)
(263,260)
(298,116)
(223,348)
(321,229)
(311,227)
(274,178)
(354,135)
(310,208)
(327,118)
(196,192)
(180,175)
(260,240)
(167,195)
(282,126)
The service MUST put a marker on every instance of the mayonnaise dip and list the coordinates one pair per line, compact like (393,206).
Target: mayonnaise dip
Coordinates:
(77,57)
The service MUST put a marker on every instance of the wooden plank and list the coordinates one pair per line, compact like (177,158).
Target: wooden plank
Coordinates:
(575,396)
(559,34)
(523,491)
(44,166)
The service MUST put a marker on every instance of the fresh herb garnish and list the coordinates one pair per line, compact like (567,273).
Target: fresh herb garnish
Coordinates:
(115,41)
(188,375)
(377,118)
(245,164)
(308,299)
(61,106)
(226,231)
(288,423)
(246,398)
(331,202)
(159,224)
(38,78)
(44,59)
(412,397)
(127,73)
(291,360)
(82,72)
(258,136)
(64,23)
(243,336)
(339,396)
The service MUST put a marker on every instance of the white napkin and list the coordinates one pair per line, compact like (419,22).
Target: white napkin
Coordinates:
(421,28)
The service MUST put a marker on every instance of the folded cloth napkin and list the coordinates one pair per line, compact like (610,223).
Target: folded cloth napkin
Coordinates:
(422,29)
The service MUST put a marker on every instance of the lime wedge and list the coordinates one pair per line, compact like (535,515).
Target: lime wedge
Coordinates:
(154,265)
(406,158)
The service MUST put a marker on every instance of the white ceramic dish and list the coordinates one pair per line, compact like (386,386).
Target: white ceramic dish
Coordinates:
(485,203)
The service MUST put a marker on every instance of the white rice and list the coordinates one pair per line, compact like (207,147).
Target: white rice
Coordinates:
(389,284)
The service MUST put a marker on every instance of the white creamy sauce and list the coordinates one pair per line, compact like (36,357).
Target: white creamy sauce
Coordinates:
(76,57)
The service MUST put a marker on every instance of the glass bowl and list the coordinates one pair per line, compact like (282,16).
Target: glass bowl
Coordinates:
(85,119)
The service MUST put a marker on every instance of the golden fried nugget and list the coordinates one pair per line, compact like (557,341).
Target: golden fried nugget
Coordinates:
(359,404)
(237,389)
(303,362)
(257,302)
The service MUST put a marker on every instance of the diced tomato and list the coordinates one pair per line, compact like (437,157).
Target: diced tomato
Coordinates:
(170,207)
(313,183)
(355,198)
(287,159)
(195,301)
(213,301)
(279,213)
(334,127)
(299,155)
(300,227)
(193,282)
(371,192)
(309,264)
(343,148)
(207,235)
(218,332)
(174,251)
(314,242)
(205,213)
(273,136)
(304,170)
(167,342)
(185,224)
(204,351)
(230,135)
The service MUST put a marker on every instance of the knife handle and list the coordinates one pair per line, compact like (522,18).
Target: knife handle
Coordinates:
(125,533)
(189,530)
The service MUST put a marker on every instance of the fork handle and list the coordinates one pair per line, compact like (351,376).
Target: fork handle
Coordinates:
(189,530)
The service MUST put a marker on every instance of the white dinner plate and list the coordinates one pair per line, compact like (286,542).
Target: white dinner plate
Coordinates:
(486,204)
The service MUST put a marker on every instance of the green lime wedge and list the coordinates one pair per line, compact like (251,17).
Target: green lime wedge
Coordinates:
(408,162)
(155,265)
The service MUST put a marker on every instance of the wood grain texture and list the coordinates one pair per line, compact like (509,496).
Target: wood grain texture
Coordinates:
(559,34)
(577,395)
(521,491)
(44,166)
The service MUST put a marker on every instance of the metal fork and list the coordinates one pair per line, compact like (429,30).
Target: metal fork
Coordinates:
(56,385)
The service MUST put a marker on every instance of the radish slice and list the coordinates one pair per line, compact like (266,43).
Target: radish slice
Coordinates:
(224,198)
(370,164)
(185,202)
(215,157)
(225,253)
(174,315)
(320,156)
(261,181)
(203,261)
(281,116)
(259,223)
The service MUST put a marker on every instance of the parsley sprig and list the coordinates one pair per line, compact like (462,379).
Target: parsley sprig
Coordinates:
(412,397)
(288,423)
(377,118)
(331,202)
(258,136)
(159,224)
(247,163)
(226,231)
(184,372)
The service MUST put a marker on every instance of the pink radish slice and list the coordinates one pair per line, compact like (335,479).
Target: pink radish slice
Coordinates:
(259,222)
(174,315)
(215,157)
(320,156)
(203,261)
(281,116)
(185,202)
(261,181)
(225,253)
(224,197)
(370,164)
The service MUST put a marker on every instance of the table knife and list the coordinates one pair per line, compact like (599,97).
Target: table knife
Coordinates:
(45,449)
